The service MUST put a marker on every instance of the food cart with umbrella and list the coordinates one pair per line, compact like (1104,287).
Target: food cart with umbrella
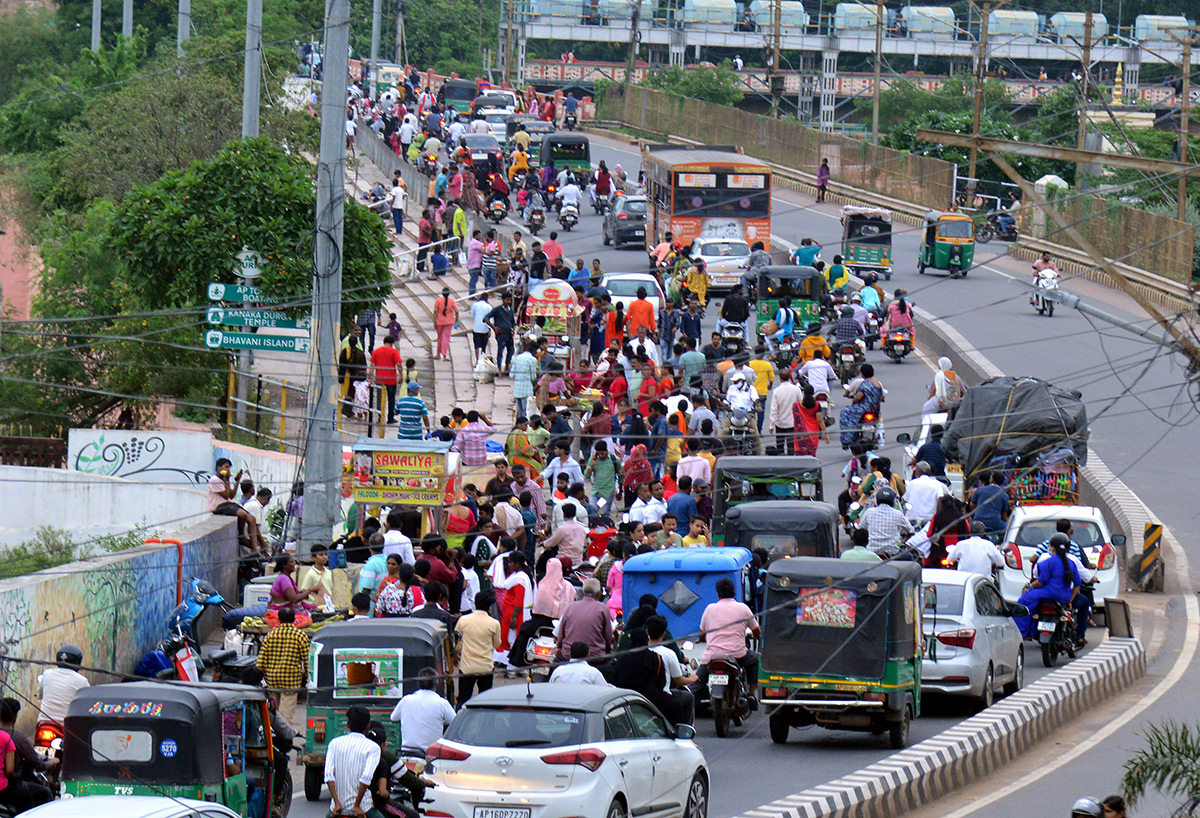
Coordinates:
(407,474)
(555,304)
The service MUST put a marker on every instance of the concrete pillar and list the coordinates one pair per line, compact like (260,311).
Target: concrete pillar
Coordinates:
(829,60)
(1133,67)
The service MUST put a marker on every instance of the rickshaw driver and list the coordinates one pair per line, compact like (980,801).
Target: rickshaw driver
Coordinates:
(723,630)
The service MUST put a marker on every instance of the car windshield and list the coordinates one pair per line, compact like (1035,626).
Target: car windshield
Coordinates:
(1036,532)
(946,600)
(496,119)
(493,102)
(517,727)
(725,248)
(954,229)
(481,142)
(636,207)
(629,286)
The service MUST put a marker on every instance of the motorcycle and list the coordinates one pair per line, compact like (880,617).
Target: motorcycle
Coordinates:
(1047,283)
(993,228)
(728,694)
(832,308)
(733,336)
(178,655)
(826,407)
(868,431)
(569,120)
(568,216)
(1055,630)
(897,343)
(539,653)
(48,743)
(496,210)
(551,197)
(599,203)
(535,221)
(429,165)
(872,335)
(847,360)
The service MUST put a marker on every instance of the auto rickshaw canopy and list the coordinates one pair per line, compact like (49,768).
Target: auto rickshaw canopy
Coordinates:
(837,617)
(786,528)
(365,661)
(949,226)
(792,281)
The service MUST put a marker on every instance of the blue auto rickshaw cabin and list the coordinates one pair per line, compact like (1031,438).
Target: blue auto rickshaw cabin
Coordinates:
(685,582)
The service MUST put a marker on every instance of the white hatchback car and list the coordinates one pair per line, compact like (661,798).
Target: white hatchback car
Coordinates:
(1030,526)
(130,806)
(623,288)
(972,645)
(553,750)
(726,261)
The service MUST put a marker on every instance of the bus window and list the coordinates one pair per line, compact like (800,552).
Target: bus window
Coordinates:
(717,202)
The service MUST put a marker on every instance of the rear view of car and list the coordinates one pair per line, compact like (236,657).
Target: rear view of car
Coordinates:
(625,223)
(726,260)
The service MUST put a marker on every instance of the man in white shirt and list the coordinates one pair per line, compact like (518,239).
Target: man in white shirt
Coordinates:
(457,129)
(258,507)
(818,373)
(677,681)
(394,540)
(350,763)
(779,413)
(578,671)
(976,553)
(423,715)
(58,685)
(479,125)
(647,508)
(922,495)
(563,463)
(694,466)
(571,194)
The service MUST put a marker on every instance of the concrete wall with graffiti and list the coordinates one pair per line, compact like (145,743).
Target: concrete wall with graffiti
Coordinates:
(90,505)
(114,607)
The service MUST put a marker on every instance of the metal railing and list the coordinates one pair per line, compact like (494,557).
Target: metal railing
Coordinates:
(267,410)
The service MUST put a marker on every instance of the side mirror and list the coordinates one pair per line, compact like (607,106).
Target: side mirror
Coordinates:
(904,437)
(685,732)
(1017,610)
(1118,539)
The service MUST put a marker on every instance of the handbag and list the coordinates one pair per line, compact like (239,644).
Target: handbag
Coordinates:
(770,328)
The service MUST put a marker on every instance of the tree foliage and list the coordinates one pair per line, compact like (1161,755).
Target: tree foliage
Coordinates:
(719,85)
(1169,763)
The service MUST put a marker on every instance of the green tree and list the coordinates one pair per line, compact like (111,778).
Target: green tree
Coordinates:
(719,85)
(1169,763)
(905,100)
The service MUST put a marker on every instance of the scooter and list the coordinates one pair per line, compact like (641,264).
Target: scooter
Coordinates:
(728,694)
(178,656)
(848,358)
(1042,301)
(496,210)
(568,216)
(897,343)
(429,165)
(569,120)
(868,431)
(1055,630)
(535,221)
(872,328)
(599,203)
(539,653)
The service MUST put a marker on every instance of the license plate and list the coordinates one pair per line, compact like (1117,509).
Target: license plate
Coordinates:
(502,812)
(847,357)
(718,679)
(1046,627)
(639,233)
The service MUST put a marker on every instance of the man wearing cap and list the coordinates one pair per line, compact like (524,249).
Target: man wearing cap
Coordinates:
(976,553)
(922,495)
(860,312)
(412,414)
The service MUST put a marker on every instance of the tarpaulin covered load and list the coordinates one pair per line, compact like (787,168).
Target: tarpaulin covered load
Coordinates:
(1021,417)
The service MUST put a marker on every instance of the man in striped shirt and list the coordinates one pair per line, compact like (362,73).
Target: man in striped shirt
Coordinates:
(411,413)
(350,763)
(472,439)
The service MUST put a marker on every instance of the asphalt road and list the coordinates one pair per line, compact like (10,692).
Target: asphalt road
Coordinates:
(990,309)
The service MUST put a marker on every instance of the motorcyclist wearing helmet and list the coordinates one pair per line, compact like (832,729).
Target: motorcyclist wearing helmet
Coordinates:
(886,524)
(1057,580)
(58,685)
(1087,807)
(846,330)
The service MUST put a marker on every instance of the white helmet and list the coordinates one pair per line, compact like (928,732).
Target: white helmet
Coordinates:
(1087,807)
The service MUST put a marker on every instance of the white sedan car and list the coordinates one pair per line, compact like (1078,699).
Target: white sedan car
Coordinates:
(972,645)
(565,750)
(623,288)
(726,260)
(1030,526)
(130,806)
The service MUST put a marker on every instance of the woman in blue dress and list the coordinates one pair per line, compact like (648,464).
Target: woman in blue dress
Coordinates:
(868,396)
(1057,580)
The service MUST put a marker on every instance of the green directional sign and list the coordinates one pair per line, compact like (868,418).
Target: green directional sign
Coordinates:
(220,339)
(238,292)
(265,319)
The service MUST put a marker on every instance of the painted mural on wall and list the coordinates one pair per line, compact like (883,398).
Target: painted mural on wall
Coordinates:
(116,609)
(146,456)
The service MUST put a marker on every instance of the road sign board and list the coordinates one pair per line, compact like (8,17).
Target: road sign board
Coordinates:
(266,319)
(238,292)
(219,339)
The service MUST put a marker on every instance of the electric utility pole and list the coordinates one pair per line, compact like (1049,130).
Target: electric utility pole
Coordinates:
(1086,59)
(323,454)
(875,84)
(776,77)
(252,69)
(1185,103)
(980,73)
(376,21)
(95,25)
(127,19)
(633,40)
(184,25)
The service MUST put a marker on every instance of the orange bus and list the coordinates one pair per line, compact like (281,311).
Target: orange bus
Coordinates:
(706,191)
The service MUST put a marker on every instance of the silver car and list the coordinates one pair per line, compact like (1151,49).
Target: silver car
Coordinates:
(130,806)
(972,645)
(725,259)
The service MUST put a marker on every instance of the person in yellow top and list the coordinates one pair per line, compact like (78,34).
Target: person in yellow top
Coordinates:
(697,533)
(811,343)
(518,161)
(697,281)
(837,275)
(765,376)
(521,137)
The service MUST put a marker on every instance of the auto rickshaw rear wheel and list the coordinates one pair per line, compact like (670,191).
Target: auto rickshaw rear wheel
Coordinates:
(898,732)
(779,726)
(313,782)
(921,267)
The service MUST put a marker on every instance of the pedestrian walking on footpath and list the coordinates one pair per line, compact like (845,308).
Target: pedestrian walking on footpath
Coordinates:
(822,180)
(445,316)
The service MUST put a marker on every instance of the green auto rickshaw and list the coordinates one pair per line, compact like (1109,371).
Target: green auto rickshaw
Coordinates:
(805,286)
(841,646)
(567,150)
(867,240)
(947,243)
(371,662)
(209,742)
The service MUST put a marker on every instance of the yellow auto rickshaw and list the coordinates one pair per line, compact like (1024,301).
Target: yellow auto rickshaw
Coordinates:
(947,243)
